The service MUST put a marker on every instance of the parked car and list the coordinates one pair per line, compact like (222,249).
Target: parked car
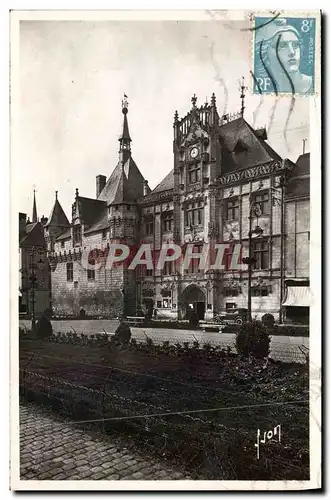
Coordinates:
(237,316)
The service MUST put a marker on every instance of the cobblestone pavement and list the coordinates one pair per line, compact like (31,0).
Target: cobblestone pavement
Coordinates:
(282,347)
(55,450)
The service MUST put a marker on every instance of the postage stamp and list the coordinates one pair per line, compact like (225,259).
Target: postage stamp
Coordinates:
(284,55)
(165,285)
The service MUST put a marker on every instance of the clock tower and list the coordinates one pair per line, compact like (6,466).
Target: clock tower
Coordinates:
(197,162)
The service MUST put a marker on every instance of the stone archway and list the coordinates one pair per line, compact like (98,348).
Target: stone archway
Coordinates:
(193,299)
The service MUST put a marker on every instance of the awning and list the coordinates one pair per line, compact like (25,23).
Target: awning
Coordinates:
(298,296)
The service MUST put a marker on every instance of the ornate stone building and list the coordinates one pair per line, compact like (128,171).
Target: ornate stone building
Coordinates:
(222,168)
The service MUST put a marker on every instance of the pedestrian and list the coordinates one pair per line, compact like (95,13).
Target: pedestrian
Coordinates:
(155,313)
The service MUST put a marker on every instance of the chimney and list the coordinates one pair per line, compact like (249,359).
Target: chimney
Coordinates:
(147,189)
(44,220)
(100,184)
(21,224)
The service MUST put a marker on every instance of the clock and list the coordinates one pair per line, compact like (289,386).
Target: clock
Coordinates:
(194,152)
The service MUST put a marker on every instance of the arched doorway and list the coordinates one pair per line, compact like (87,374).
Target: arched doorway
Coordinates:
(193,299)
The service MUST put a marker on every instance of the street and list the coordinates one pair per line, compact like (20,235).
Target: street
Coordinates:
(282,348)
(51,449)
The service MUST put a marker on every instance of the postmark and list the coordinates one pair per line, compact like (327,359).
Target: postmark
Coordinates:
(284,55)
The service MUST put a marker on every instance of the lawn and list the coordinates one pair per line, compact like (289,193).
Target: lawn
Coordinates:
(207,406)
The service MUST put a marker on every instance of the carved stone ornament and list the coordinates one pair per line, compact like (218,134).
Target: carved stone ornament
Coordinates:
(250,173)
(176,236)
(212,230)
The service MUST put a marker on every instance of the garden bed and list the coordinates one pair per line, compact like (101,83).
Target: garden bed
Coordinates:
(181,387)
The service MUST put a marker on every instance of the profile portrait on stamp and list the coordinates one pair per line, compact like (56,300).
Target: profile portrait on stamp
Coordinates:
(284,54)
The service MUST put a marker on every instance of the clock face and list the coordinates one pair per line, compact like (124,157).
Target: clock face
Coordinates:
(194,152)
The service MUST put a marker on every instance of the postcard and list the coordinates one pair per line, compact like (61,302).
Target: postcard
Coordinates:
(167,291)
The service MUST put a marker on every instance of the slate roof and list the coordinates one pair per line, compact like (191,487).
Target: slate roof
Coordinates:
(65,235)
(34,235)
(299,183)
(90,209)
(124,185)
(166,183)
(100,224)
(57,217)
(256,152)
(303,164)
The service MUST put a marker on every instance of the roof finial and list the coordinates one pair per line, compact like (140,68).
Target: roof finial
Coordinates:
(213,99)
(176,116)
(194,101)
(56,194)
(242,89)
(125,104)
(77,193)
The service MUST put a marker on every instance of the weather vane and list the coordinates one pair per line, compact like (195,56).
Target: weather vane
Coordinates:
(125,103)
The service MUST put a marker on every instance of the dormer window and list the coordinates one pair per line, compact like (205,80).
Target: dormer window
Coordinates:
(240,147)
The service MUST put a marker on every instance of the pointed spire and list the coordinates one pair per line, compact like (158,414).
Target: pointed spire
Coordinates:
(125,138)
(34,210)
(57,216)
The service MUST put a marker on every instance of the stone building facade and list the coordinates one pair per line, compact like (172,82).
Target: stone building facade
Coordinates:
(222,168)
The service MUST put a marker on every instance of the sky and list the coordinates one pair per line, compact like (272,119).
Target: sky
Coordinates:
(72,77)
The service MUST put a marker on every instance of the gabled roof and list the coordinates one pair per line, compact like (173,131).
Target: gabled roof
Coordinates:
(256,150)
(34,235)
(57,217)
(124,185)
(165,184)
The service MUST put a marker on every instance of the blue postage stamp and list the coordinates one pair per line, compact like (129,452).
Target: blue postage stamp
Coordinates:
(284,55)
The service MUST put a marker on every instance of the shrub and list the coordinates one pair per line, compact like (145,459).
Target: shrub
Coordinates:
(149,342)
(165,346)
(123,333)
(44,328)
(268,320)
(253,340)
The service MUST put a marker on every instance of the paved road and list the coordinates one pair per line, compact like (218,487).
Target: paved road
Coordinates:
(283,348)
(51,449)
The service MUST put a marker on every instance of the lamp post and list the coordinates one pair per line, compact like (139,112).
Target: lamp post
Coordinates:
(123,291)
(254,211)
